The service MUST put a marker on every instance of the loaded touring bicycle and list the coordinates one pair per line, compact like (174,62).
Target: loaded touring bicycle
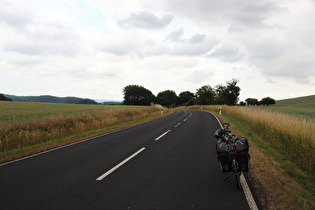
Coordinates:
(232,153)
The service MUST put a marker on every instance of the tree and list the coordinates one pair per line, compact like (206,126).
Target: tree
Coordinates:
(252,101)
(232,92)
(228,94)
(242,103)
(205,95)
(220,94)
(185,97)
(166,98)
(267,101)
(3,98)
(137,95)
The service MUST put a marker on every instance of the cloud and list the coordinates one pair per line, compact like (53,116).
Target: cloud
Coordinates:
(227,53)
(199,75)
(268,47)
(254,15)
(60,44)
(196,45)
(181,44)
(32,32)
(145,44)
(295,61)
(16,16)
(197,38)
(175,36)
(192,49)
(145,20)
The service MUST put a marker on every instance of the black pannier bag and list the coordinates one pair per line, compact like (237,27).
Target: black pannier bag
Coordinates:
(242,155)
(223,156)
(224,161)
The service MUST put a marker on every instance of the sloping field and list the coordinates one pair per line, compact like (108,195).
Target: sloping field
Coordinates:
(302,106)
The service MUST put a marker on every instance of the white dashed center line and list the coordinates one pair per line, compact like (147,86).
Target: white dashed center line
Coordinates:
(120,164)
(162,135)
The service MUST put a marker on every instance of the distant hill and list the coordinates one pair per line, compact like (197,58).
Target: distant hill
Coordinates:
(108,102)
(112,103)
(51,99)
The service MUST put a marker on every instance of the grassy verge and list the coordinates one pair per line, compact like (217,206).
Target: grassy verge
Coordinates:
(281,149)
(22,139)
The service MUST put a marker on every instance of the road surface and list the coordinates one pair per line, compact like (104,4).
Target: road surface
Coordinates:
(168,163)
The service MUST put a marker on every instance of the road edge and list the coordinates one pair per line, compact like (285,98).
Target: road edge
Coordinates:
(249,196)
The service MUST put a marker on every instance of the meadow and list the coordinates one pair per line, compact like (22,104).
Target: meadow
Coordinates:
(27,128)
(302,107)
(22,112)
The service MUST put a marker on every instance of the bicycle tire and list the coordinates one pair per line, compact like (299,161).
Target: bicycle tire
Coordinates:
(238,181)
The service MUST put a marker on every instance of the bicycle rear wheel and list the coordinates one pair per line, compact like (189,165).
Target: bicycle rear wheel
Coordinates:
(238,181)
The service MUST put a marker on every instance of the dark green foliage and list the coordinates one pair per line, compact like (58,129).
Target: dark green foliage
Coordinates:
(252,101)
(137,95)
(185,98)
(242,103)
(3,98)
(228,94)
(267,101)
(205,95)
(167,98)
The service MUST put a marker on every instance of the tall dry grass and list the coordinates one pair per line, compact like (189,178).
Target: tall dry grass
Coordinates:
(283,177)
(293,135)
(14,136)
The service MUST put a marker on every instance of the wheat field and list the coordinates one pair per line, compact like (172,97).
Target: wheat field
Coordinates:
(24,125)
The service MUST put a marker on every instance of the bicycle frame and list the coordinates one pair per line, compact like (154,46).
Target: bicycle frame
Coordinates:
(235,167)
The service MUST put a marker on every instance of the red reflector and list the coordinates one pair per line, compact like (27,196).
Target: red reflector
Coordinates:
(232,153)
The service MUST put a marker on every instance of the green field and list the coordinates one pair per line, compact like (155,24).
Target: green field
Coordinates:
(302,106)
(22,112)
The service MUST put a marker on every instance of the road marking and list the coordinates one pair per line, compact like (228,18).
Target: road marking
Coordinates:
(162,135)
(249,197)
(178,125)
(248,194)
(120,164)
(187,118)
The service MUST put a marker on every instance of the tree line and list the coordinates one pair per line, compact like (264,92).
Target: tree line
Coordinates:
(254,102)
(205,95)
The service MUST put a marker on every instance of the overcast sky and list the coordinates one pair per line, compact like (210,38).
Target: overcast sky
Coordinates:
(94,48)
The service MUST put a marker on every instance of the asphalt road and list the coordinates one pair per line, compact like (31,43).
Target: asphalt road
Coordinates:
(168,163)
